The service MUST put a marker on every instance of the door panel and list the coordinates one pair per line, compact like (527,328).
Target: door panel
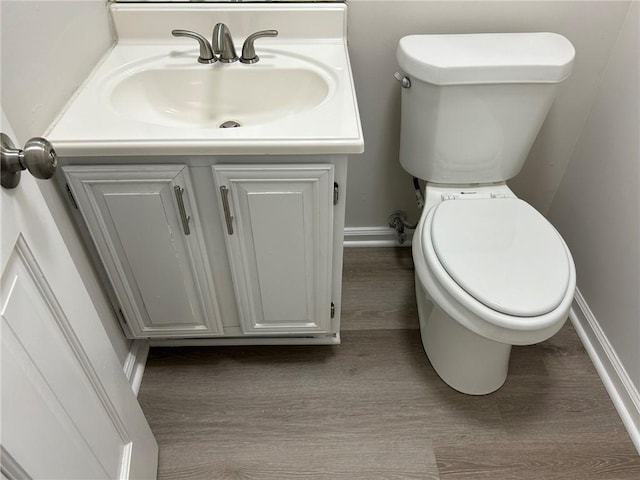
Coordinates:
(278,256)
(71,426)
(281,249)
(157,265)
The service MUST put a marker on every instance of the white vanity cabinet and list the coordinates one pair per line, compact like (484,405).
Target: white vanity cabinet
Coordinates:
(278,221)
(218,253)
(145,226)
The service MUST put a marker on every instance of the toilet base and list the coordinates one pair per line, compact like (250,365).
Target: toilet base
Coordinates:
(465,361)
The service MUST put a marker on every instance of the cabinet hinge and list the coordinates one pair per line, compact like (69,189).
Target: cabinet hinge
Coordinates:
(124,319)
(333,309)
(336,190)
(71,197)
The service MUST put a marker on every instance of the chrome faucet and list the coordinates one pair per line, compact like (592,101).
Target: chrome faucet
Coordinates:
(206,52)
(223,44)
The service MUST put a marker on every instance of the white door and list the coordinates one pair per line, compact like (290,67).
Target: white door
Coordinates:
(67,410)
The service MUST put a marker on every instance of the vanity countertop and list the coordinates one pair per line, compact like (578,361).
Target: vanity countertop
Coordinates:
(309,57)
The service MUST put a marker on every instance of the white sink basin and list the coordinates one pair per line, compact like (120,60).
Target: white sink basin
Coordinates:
(208,96)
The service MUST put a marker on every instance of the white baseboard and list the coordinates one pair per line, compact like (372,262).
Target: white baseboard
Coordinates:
(135,363)
(374,237)
(624,394)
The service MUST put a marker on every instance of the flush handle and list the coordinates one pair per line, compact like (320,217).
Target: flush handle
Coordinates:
(403,80)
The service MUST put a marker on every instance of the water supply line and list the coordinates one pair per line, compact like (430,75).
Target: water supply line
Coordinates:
(398,219)
(419,194)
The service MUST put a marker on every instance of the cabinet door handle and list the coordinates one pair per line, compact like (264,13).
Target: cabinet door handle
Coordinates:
(224,193)
(183,213)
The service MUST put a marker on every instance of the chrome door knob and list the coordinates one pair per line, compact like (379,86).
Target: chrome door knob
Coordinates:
(38,157)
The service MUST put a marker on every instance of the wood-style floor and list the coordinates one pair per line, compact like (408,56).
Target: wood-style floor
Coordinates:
(373,408)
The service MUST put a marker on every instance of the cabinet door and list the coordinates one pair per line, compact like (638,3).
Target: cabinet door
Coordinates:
(145,226)
(279,236)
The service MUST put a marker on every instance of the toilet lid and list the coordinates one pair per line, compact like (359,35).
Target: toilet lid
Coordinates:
(503,253)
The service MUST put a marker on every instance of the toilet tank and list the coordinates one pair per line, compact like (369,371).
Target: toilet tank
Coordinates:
(476,102)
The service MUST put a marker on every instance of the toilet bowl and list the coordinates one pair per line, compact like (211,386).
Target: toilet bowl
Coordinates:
(491,272)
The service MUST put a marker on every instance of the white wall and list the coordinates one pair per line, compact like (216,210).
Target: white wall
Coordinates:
(48,49)
(377,183)
(597,206)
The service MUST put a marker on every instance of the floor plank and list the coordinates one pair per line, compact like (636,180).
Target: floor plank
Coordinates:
(378,289)
(550,457)
(373,408)
(561,400)
(317,458)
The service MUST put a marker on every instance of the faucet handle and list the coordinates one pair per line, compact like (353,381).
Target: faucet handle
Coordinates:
(249,51)
(206,53)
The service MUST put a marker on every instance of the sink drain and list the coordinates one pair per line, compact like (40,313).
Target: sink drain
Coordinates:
(230,124)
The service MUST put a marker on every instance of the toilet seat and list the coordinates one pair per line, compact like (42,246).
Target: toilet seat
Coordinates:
(460,224)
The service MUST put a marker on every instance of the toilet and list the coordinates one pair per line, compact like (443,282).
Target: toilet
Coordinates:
(491,272)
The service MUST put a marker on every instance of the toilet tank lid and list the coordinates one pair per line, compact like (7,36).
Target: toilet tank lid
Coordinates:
(539,57)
